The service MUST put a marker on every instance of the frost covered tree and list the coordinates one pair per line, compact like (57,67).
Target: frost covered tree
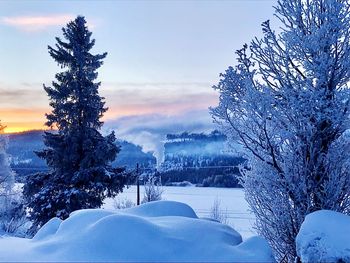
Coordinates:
(12,214)
(7,178)
(78,156)
(287,102)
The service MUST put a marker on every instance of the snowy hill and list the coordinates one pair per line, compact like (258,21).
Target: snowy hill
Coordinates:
(157,231)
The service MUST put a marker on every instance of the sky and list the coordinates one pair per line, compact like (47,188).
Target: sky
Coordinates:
(163,58)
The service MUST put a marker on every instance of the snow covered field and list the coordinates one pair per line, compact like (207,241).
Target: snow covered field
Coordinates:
(201,199)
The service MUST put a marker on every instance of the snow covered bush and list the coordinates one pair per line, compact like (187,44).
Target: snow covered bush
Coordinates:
(13,220)
(153,189)
(122,203)
(217,213)
(324,237)
(287,102)
(79,157)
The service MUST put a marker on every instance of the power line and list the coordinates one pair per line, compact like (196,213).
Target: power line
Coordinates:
(145,168)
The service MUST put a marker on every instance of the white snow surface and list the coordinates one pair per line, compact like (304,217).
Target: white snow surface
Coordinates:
(324,237)
(201,199)
(156,231)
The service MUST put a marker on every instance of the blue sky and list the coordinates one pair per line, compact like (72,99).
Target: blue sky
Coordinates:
(163,56)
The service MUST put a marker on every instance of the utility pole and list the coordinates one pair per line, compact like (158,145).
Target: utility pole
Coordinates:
(138,184)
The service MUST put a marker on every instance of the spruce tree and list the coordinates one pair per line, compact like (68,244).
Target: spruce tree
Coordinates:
(78,156)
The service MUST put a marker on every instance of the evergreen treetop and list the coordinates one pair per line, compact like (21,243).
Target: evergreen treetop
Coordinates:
(74,96)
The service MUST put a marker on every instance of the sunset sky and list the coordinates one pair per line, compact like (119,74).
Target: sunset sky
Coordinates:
(163,56)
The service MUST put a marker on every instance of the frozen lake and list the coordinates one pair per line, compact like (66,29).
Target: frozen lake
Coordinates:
(201,199)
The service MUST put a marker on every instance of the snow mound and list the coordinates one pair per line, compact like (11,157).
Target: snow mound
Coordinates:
(154,232)
(48,229)
(163,208)
(324,237)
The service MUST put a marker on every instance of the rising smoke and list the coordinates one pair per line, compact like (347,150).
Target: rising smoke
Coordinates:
(149,130)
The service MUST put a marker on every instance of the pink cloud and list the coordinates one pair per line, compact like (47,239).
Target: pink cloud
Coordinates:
(37,23)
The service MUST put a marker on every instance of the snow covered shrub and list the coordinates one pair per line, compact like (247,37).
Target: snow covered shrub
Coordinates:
(287,102)
(13,220)
(324,237)
(153,189)
(78,156)
(217,213)
(122,203)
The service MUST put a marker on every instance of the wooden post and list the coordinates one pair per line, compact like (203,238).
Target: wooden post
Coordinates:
(138,184)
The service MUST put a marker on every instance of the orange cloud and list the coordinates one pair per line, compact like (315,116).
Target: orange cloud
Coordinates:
(37,23)
(24,109)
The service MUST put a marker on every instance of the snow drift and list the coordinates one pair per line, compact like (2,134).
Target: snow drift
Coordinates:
(324,237)
(157,231)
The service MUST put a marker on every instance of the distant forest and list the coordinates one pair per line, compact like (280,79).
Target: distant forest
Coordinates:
(201,159)
(198,158)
